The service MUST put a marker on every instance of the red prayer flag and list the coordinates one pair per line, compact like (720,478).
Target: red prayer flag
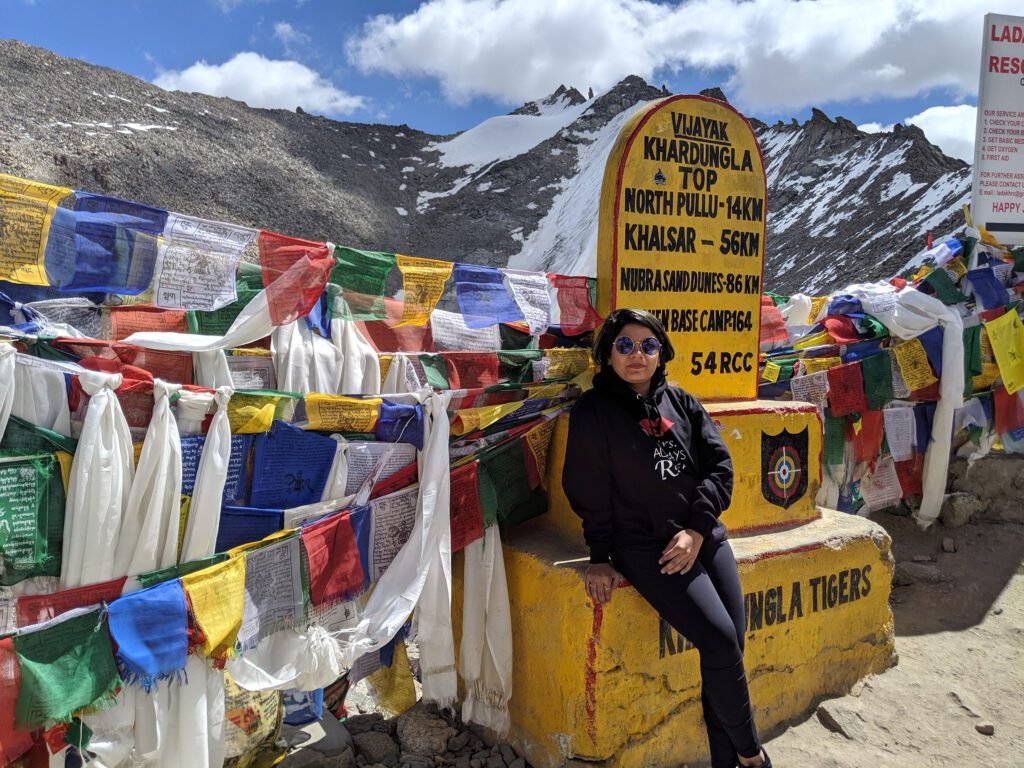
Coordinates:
(467,370)
(1009,410)
(773,326)
(335,572)
(124,321)
(846,389)
(384,337)
(910,474)
(868,442)
(466,517)
(295,274)
(577,314)
(34,609)
(13,743)
(175,367)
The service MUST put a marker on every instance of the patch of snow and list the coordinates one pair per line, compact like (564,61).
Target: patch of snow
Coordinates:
(556,151)
(408,169)
(393,147)
(97,94)
(532,206)
(401,211)
(402,187)
(504,137)
(124,130)
(499,190)
(399,136)
(143,128)
(115,96)
(517,234)
(66,72)
(565,240)
(346,157)
(483,186)
(900,185)
(423,198)
(372,153)
(159,109)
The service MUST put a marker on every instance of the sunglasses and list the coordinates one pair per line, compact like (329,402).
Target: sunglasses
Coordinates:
(624,345)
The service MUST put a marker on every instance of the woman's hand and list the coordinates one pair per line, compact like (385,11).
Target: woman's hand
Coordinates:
(600,580)
(681,552)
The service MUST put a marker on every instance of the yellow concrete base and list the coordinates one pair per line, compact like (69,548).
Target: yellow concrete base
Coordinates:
(616,685)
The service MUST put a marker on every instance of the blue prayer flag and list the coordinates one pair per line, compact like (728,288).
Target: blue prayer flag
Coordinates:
(244,525)
(400,423)
(483,297)
(150,628)
(931,340)
(989,293)
(290,467)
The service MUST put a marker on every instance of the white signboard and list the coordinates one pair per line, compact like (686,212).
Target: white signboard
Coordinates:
(997,199)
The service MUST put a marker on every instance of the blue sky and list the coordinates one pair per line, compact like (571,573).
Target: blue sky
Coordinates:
(444,65)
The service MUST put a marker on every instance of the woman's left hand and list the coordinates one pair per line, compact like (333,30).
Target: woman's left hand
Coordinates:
(681,552)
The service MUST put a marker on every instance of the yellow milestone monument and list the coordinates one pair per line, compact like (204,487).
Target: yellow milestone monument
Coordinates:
(682,234)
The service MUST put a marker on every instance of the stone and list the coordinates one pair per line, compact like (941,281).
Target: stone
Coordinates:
(363,723)
(958,508)
(519,762)
(462,761)
(324,742)
(417,761)
(949,544)
(459,741)
(422,732)
(909,573)
(923,559)
(495,761)
(376,747)
(985,728)
(966,702)
(508,754)
(843,719)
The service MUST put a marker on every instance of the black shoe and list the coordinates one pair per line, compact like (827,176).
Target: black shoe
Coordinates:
(766,764)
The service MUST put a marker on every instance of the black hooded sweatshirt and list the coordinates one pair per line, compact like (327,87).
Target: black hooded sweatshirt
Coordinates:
(639,470)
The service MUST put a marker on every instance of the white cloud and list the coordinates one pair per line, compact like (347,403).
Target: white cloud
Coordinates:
(779,55)
(875,128)
(290,37)
(950,128)
(262,82)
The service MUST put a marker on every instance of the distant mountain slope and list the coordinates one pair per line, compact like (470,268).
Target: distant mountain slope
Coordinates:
(518,189)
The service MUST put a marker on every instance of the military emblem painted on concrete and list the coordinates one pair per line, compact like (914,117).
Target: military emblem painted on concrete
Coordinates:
(784,467)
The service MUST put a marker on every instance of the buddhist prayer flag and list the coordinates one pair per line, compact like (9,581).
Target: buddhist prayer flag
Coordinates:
(290,466)
(31,517)
(566,363)
(362,276)
(335,572)
(530,291)
(466,370)
(931,340)
(913,363)
(877,372)
(941,283)
(1006,335)
(124,321)
(26,209)
(773,326)
(482,296)
(507,494)
(150,628)
(13,741)
(867,440)
(35,609)
(337,413)
(252,412)
(66,665)
(423,282)
(1009,410)
(811,365)
(576,312)
(466,518)
(216,595)
(988,291)
(846,390)
(294,274)
(104,244)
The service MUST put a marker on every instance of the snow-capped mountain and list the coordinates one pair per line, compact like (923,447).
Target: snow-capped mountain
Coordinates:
(518,189)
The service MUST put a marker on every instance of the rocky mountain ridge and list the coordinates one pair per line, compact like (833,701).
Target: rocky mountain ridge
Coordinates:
(518,189)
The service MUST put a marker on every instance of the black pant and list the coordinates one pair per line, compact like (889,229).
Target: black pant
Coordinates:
(705,605)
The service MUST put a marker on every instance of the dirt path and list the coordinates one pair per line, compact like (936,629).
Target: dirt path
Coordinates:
(960,640)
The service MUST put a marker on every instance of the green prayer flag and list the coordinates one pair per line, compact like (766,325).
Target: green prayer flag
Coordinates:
(1018,259)
(972,357)
(872,327)
(150,578)
(512,338)
(23,438)
(877,372)
(777,299)
(517,366)
(78,735)
(66,666)
(435,369)
(944,287)
(248,283)
(31,517)
(504,482)
(362,276)
(835,439)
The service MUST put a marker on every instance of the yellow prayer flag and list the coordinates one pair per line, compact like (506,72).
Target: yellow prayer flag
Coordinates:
(393,685)
(217,595)
(566,363)
(956,268)
(1006,334)
(913,363)
(538,440)
(923,270)
(250,414)
(987,377)
(423,282)
(385,365)
(65,459)
(469,419)
(26,210)
(771,371)
(820,339)
(342,414)
(818,364)
(250,352)
(858,425)
(987,354)
(817,304)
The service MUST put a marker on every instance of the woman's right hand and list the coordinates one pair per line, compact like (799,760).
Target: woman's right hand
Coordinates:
(600,580)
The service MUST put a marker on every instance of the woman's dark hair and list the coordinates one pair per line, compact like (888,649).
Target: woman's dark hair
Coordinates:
(605,336)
